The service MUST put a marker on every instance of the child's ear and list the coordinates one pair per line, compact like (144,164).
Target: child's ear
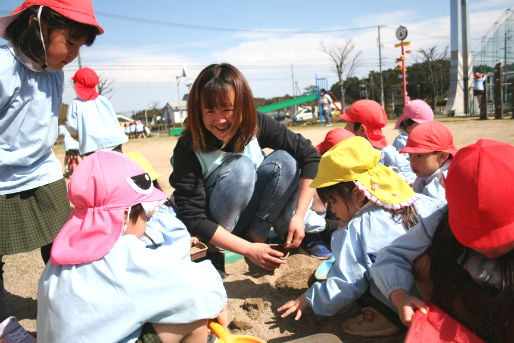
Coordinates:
(358,195)
(443,156)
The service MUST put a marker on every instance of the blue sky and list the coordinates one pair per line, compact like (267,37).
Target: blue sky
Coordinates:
(147,43)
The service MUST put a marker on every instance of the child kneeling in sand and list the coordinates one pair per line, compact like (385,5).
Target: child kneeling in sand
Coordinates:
(379,207)
(103,284)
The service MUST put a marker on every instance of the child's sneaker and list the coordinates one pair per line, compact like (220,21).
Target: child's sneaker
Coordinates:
(12,332)
(370,323)
(315,246)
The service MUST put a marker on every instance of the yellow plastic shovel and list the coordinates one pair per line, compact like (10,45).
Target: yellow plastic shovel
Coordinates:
(225,337)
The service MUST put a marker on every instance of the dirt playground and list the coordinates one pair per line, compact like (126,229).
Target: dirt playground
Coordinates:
(253,295)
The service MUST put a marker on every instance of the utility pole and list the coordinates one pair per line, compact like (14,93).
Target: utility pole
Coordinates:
(80,60)
(380,68)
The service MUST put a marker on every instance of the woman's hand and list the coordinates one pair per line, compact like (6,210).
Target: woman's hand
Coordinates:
(296,232)
(407,305)
(298,305)
(265,257)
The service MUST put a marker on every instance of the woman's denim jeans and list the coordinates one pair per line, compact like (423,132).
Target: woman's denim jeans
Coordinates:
(240,197)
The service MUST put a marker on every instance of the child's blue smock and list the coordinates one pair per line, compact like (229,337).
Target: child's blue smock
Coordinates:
(69,142)
(165,224)
(109,300)
(355,248)
(29,109)
(400,141)
(397,162)
(96,125)
(393,267)
(433,186)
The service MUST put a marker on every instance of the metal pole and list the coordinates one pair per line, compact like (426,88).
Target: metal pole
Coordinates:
(380,68)
(404,79)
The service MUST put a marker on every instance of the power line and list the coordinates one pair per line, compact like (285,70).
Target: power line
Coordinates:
(215,28)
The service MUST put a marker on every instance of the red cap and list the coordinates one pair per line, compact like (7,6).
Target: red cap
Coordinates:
(429,137)
(479,190)
(80,11)
(332,138)
(85,84)
(370,114)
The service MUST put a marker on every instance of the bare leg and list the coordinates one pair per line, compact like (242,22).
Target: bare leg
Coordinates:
(195,332)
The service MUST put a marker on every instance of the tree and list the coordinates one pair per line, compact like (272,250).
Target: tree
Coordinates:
(436,70)
(346,60)
(105,86)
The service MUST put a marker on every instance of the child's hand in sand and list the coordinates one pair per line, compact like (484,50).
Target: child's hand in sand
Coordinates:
(298,305)
(407,305)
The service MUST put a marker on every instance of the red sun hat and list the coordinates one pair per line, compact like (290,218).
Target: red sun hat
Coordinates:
(429,137)
(479,190)
(372,115)
(416,110)
(332,138)
(85,84)
(80,11)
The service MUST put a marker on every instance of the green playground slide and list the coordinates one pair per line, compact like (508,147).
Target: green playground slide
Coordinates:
(287,103)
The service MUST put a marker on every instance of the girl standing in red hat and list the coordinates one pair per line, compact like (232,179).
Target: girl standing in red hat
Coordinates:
(43,37)
(91,116)
(466,264)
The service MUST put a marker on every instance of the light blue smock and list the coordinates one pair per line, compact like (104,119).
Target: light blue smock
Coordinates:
(400,142)
(109,300)
(397,162)
(96,125)
(69,142)
(433,185)
(355,248)
(393,269)
(29,109)
(165,224)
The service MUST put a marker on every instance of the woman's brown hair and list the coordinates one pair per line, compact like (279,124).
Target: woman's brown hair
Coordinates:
(211,89)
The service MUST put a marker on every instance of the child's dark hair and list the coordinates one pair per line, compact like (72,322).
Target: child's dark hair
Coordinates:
(24,33)
(344,190)
(482,307)
(408,122)
(211,89)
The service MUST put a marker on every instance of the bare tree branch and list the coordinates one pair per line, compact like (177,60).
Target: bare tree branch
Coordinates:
(105,86)
(346,61)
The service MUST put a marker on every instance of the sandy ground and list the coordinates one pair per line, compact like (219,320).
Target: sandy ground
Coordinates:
(253,296)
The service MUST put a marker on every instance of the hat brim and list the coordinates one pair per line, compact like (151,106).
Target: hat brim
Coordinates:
(344,117)
(5,21)
(424,150)
(481,239)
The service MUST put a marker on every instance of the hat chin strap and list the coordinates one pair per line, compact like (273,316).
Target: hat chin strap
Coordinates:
(38,18)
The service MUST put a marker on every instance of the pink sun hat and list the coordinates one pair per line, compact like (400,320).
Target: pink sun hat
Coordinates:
(416,110)
(102,186)
(80,11)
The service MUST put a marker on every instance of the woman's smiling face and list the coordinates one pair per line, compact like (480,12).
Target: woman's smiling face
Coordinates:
(220,120)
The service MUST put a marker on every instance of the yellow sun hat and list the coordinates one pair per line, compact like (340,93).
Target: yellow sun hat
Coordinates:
(355,159)
(144,164)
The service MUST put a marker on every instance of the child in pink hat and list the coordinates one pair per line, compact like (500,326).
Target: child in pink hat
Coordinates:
(415,112)
(465,264)
(430,147)
(367,118)
(102,283)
